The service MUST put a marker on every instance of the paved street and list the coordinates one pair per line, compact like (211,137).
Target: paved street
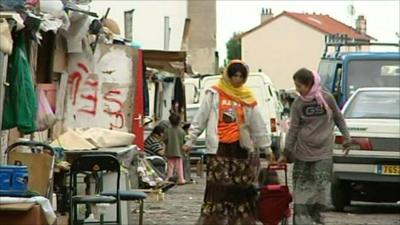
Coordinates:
(181,206)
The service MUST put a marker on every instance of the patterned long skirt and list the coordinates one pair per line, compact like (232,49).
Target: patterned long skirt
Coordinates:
(310,185)
(230,194)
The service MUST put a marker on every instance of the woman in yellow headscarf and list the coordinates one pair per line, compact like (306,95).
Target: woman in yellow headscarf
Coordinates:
(235,129)
(233,85)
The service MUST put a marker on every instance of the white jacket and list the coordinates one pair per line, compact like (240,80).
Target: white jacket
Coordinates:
(207,116)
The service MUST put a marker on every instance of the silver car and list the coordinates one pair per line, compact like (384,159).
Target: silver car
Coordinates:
(371,171)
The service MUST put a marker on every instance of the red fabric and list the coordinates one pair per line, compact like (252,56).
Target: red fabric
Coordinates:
(273,204)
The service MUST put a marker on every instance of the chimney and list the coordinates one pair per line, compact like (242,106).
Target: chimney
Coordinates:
(266,14)
(361,24)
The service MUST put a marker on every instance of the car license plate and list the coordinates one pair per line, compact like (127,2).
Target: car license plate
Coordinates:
(389,169)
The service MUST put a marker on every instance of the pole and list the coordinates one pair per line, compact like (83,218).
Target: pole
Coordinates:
(3,76)
(167,33)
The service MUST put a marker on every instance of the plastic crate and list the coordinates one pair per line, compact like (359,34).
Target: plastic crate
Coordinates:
(13,180)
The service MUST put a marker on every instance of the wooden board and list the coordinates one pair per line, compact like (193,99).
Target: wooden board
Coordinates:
(16,207)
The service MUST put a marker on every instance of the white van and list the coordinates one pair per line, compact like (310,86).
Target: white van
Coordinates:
(192,90)
(267,99)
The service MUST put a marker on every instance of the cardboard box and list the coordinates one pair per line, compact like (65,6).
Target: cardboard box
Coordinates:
(22,214)
(40,169)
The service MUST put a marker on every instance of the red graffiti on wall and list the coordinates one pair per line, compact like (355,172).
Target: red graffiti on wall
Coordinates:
(87,87)
(110,96)
(92,83)
(74,81)
(91,109)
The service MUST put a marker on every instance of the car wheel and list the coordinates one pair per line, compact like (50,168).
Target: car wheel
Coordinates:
(340,194)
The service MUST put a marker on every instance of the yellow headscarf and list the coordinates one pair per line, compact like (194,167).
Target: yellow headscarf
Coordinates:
(240,94)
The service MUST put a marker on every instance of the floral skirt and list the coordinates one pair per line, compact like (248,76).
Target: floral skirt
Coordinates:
(311,181)
(230,195)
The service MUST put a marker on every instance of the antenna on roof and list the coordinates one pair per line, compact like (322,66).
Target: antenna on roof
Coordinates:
(351,11)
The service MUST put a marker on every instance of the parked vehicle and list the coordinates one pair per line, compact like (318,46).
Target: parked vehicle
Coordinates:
(191,110)
(371,171)
(199,148)
(342,73)
(192,85)
(200,145)
(267,99)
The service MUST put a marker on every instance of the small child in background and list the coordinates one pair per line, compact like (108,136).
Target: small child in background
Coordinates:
(174,140)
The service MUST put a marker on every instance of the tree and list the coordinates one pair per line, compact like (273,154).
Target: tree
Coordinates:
(234,47)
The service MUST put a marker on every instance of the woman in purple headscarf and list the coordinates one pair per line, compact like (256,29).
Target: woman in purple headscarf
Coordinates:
(309,143)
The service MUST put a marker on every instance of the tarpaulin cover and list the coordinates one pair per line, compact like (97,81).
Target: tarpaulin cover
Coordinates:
(20,104)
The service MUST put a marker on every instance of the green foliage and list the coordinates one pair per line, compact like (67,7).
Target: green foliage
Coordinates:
(234,47)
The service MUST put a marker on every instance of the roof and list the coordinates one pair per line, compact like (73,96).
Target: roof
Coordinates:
(371,55)
(170,61)
(320,22)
